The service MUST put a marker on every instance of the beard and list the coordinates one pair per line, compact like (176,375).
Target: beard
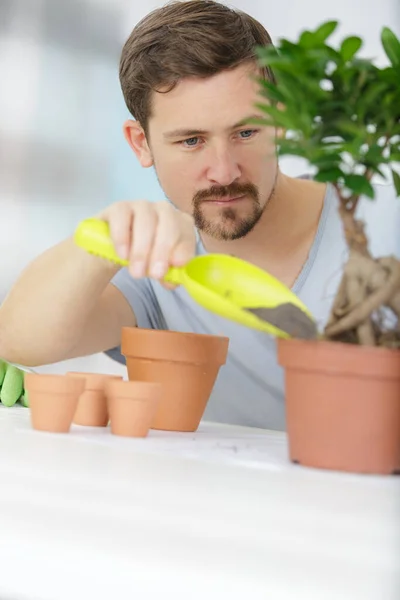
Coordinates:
(231,222)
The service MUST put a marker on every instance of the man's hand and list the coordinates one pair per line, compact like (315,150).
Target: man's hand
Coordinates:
(152,235)
(11,385)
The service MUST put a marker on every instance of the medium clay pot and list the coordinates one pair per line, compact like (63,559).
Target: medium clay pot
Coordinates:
(53,400)
(92,408)
(186,365)
(132,406)
(342,405)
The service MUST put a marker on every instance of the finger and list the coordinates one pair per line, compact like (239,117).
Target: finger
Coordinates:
(185,248)
(167,236)
(145,222)
(183,251)
(119,218)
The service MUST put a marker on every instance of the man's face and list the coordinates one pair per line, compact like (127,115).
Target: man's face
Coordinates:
(208,162)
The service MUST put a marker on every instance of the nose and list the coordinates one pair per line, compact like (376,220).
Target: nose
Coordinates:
(223,167)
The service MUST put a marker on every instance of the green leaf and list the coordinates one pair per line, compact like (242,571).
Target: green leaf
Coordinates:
(266,51)
(279,118)
(350,127)
(396,181)
(391,45)
(327,161)
(389,75)
(376,170)
(374,154)
(358,184)
(288,47)
(269,56)
(307,39)
(325,30)
(272,91)
(332,175)
(283,65)
(350,46)
(371,95)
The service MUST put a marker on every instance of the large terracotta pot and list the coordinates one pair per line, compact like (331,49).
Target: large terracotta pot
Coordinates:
(185,364)
(342,405)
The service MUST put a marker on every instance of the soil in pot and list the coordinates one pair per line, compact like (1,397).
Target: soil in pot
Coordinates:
(185,364)
(92,405)
(132,406)
(53,400)
(342,405)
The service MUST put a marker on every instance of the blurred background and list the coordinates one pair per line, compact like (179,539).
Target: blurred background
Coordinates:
(62,152)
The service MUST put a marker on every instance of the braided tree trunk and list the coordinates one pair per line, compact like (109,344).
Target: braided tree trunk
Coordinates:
(367,287)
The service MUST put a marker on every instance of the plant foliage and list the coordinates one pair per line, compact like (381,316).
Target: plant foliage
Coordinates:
(340,112)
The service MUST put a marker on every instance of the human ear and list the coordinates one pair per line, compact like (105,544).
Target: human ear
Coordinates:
(136,138)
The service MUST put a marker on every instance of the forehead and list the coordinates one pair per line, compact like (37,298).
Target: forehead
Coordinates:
(217,101)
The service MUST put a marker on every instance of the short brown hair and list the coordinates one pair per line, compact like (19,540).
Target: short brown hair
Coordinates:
(196,38)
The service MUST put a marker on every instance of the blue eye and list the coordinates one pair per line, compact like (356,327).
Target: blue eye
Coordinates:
(247,133)
(189,140)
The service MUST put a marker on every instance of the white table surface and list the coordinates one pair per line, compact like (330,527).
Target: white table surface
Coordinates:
(220,514)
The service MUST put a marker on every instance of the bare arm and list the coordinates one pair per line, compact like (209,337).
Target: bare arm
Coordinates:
(62,306)
(103,328)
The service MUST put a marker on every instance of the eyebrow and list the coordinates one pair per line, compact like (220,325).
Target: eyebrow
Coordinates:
(188,133)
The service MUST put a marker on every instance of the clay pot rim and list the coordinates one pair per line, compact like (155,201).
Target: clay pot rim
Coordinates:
(183,347)
(55,383)
(93,381)
(172,333)
(133,390)
(339,358)
(90,373)
(339,345)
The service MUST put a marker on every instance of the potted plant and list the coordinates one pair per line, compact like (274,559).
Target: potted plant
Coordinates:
(341,113)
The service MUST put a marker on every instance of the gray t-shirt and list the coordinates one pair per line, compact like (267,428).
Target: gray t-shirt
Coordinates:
(250,387)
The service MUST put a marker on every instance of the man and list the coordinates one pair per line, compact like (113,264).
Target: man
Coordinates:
(187,74)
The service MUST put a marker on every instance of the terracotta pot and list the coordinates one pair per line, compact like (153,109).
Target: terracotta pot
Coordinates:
(53,400)
(132,406)
(342,405)
(186,365)
(92,408)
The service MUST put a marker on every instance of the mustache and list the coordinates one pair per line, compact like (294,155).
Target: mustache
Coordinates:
(233,190)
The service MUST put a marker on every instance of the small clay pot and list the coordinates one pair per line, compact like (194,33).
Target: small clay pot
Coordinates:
(185,364)
(132,406)
(342,405)
(92,408)
(53,400)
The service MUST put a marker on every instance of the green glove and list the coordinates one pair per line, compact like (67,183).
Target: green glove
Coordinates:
(3,369)
(24,399)
(11,384)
